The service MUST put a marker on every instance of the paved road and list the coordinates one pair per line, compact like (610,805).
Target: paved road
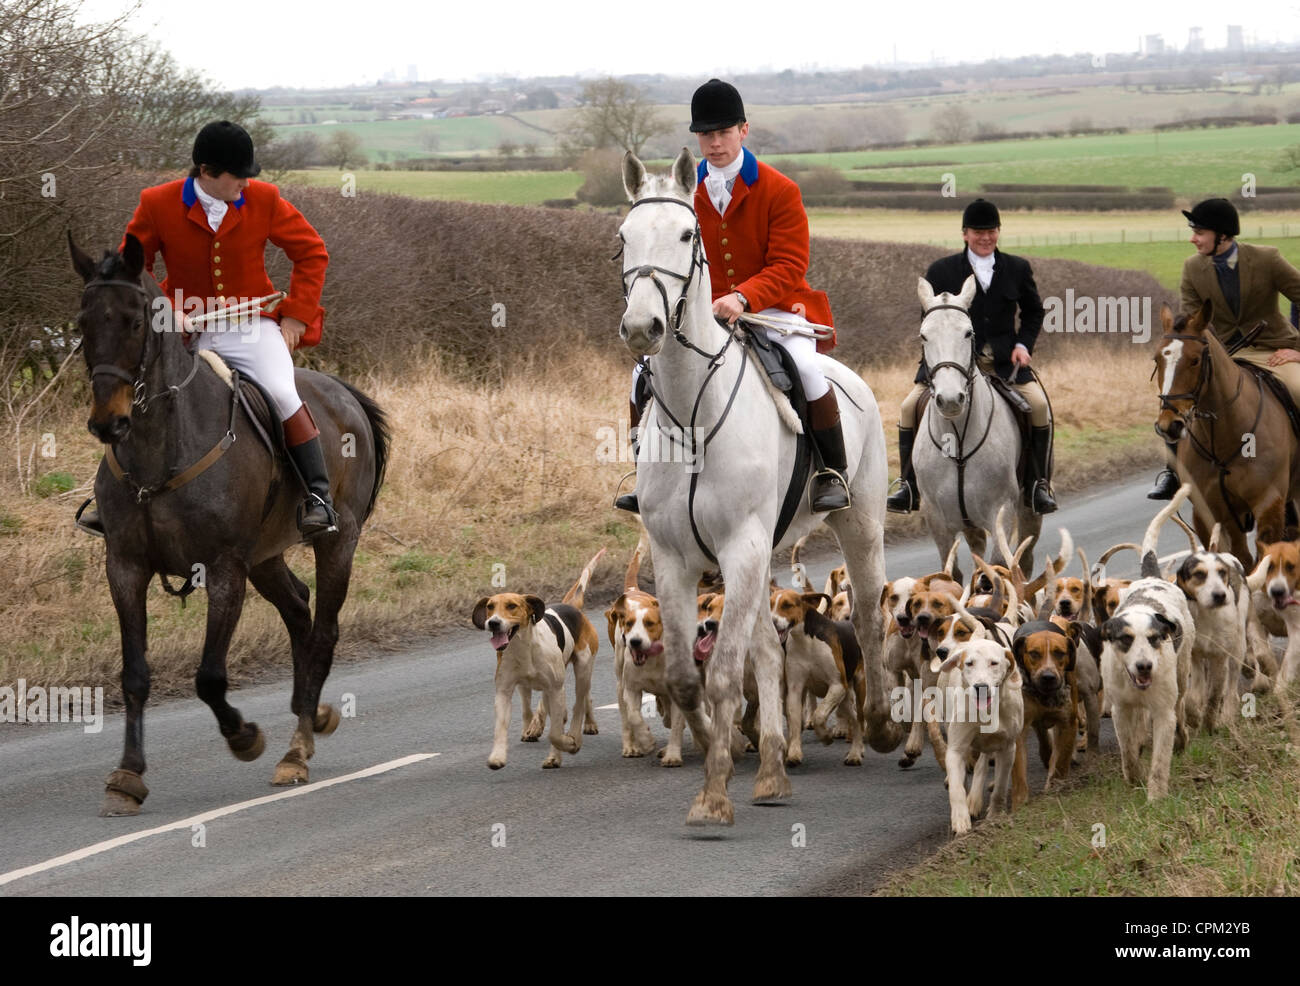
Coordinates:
(599,825)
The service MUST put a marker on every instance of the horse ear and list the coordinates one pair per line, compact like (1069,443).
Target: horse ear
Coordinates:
(81,260)
(684,171)
(967,292)
(925,292)
(633,175)
(133,256)
(1166,319)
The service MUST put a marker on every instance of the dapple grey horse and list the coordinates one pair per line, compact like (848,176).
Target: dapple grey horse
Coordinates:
(727,493)
(968,440)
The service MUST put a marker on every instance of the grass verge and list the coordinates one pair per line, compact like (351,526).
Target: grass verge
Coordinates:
(1230,827)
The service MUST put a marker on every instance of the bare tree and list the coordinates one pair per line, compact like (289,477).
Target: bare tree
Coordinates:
(952,124)
(614,114)
(88,113)
(342,149)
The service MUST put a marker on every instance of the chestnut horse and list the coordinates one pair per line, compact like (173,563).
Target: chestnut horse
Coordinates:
(1235,442)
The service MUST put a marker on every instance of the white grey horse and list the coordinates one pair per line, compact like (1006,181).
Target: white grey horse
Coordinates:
(727,495)
(968,440)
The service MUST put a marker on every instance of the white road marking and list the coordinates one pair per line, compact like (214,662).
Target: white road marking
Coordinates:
(605,708)
(207,816)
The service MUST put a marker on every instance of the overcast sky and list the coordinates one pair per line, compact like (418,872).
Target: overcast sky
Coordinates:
(308,43)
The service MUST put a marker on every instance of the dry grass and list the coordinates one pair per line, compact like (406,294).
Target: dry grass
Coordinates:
(481,475)
(1228,828)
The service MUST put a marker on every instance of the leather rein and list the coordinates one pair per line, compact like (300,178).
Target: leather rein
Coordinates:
(149,354)
(673,315)
(967,371)
(1195,413)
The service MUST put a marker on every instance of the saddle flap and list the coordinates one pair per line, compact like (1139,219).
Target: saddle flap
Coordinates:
(775,361)
(257,406)
(1271,381)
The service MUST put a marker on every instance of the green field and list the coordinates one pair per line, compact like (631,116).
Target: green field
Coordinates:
(1194,163)
(501,187)
(1164,261)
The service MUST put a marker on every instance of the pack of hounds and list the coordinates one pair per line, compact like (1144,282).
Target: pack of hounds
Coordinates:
(975,666)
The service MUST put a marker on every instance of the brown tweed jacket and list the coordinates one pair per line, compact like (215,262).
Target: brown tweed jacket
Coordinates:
(1263,273)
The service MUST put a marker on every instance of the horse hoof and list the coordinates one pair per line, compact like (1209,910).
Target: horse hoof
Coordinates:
(248,743)
(772,788)
(289,772)
(124,792)
(711,809)
(116,805)
(326,721)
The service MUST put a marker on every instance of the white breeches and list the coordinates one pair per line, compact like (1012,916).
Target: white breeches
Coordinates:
(258,351)
(802,349)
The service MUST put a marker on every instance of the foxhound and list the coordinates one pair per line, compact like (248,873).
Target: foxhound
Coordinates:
(534,644)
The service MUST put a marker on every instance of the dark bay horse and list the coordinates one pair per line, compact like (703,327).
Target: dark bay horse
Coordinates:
(162,410)
(1235,443)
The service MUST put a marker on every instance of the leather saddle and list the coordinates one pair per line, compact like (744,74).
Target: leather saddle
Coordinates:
(1279,390)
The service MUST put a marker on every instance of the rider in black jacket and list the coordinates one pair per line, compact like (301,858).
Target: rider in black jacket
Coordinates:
(1005,284)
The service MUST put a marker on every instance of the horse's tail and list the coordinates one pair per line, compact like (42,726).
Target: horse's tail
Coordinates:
(382,433)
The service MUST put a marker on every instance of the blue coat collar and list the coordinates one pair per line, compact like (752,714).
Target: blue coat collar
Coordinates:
(748,168)
(189,196)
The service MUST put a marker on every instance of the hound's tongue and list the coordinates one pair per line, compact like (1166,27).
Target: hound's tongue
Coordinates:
(704,647)
(499,640)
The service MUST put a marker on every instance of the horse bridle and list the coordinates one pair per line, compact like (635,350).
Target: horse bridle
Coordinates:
(672,312)
(149,353)
(1193,395)
(968,371)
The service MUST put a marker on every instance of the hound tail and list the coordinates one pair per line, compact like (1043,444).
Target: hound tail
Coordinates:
(638,556)
(799,574)
(1150,565)
(576,596)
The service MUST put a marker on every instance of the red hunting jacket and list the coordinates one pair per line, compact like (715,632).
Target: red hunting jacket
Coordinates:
(219,268)
(760,248)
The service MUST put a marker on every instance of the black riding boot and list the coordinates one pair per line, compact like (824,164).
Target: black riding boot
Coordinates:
(1040,492)
(302,439)
(628,501)
(1166,484)
(88,519)
(907,497)
(830,490)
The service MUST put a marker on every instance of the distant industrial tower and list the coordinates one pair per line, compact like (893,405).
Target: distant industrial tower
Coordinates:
(1195,44)
(1155,44)
(1234,38)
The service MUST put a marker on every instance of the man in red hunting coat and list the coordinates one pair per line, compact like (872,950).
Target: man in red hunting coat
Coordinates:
(212,228)
(755,233)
